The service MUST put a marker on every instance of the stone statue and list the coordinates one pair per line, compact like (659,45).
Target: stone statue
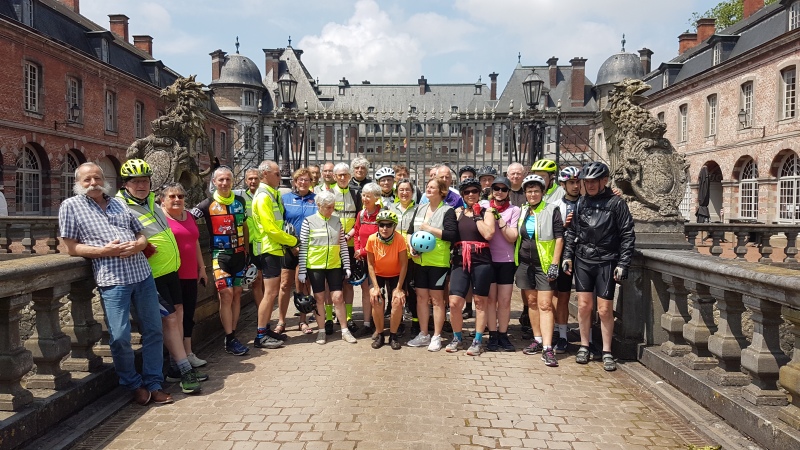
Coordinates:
(644,165)
(168,149)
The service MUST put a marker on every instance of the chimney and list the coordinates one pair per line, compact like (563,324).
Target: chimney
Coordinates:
(74,5)
(423,84)
(705,29)
(751,6)
(686,41)
(645,55)
(144,43)
(119,25)
(493,92)
(273,59)
(552,68)
(217,61)
(578,78)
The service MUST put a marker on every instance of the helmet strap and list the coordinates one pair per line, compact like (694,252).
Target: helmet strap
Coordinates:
(387,241)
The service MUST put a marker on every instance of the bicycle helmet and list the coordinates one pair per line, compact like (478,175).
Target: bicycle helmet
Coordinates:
(502,180)
(545,165)
(250,274)
(468,183)
(386,216)
(422,241)
(134,168)
(384,172)
(487,171)
(467,169)
(358,273)
(568,173)
(533,179)
(593,170)
(305,304)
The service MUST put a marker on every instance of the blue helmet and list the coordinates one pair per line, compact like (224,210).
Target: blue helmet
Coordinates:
(422,241)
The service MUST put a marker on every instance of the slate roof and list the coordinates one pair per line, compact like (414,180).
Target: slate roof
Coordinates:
(241,70)
(618,67)
(513,90)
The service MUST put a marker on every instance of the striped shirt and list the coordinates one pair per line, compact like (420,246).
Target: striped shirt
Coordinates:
(81,219)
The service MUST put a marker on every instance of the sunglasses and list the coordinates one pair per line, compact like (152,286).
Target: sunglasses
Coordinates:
(498,188)
(385,225)
(470,191)
(178,196)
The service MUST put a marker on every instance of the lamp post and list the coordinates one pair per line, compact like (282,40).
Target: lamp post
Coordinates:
(532,88)
(287,87)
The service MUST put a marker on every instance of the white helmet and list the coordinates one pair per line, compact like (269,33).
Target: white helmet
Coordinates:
(568,173)
(250,274)
(384,172)
(534,179)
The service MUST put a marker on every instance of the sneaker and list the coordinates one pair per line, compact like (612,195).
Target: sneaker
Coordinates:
(596,355)
(321,337)
(329,327)
(189,383)
(421,340)
(351,325)
(494,343)
(532,349)
(475,349)
(201,376)
(582,357)
(160,397)
(452,347)
(549,357)
(234,347)
(436,344)
(505,343)
(267,342)
(561,345)
(609,364)
(276,336)
(347,336)
(195,361)
(401,330)
(379,341)
(173,375)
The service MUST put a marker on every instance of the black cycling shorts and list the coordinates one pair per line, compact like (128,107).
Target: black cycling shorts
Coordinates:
(504,272)
(532,278)
(169,291)
(289,261)
(319,277)
(480,277)
(254,260)
(597,277)
(387,285)
(270,265)
(564,281)
(430,277)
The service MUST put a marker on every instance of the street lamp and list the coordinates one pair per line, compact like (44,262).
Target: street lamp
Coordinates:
(287,87)
(532,88)
(743,118)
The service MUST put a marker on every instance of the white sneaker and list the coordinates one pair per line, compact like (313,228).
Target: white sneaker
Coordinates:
(436,344)
(452,347)
(475,349)
(347,336)
(195,361)
(321,337)
(421,340)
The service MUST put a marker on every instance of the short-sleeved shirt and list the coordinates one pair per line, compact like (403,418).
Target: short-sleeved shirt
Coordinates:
(81,219)
(225,224)
(387,257)
(186,235)
(502,250)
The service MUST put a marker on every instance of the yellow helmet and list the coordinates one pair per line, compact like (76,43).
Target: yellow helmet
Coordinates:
(545,165)
(134,168)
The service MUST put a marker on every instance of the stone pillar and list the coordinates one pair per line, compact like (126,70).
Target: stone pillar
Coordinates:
(48,345)
(789,375)
(15,360)
(791,247)
(84,331)
(676,317)
(741,244)
(766,248)
(700,328)
(763,358)
(28,241)
(727,343)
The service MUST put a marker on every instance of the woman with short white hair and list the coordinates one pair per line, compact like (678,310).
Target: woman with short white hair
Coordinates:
(359,169)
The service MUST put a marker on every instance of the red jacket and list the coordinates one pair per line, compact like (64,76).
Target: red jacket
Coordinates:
(365,227)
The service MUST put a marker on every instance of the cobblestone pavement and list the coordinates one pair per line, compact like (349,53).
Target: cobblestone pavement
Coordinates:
(344,396)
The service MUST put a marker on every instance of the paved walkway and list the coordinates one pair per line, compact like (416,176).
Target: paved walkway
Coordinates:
(344,396)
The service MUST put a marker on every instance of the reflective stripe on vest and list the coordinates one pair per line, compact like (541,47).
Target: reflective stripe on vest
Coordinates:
(545,237)
(166,259)
(264,245)
(323,242)
(248,207)
(440,255)
(345,208)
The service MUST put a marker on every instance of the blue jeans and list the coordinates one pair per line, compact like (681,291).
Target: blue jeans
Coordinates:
(117,302)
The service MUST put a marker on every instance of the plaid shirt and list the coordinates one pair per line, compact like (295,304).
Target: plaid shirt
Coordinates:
(81,219)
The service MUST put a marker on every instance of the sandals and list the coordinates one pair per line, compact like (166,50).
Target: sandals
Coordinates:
(305,329)
(608,362)
(582,357)
(280,328)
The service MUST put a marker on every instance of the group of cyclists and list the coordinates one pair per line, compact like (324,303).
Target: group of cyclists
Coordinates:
(416,250)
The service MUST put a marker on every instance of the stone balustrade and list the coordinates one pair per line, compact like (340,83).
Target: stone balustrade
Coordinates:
(29,235)
(760,234)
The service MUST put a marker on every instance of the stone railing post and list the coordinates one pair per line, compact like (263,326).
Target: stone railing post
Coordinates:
(741,244)
(789,375)
(716,238)
(28,240)
(102,348)
(52,239)
(763,358)
(48,344)
(700,328)
(83,330)
(791,247)
(729,340)
(15,360)
(765,248)
(676,317)
(5,239)
(691,236)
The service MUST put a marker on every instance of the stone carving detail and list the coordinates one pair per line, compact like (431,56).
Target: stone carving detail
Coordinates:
(644,165)
(169,148)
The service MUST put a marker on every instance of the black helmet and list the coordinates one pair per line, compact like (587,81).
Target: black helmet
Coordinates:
(304,303)
(593,170)
(502,180)
(469,182)
(487,170)
(467,169)
(358,273)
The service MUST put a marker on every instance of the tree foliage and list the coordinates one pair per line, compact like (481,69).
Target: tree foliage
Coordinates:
(727,13)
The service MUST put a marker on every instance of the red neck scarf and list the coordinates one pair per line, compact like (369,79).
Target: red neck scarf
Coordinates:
(500,207)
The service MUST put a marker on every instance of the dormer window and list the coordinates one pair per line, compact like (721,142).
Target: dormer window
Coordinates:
(794,16)
(478,89)
(371,110)
(454,109)
(157,76)
(412,109)
(249,98)
(717,57)
(24,11)
(664,80)
(104,50)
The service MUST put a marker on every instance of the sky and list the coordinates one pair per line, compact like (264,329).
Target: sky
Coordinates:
(397,41)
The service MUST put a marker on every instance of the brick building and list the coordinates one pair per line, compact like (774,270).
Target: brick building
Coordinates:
(729,101)
(72,92)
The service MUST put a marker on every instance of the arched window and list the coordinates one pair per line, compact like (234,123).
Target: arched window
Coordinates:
(29,183)
(789,190)
(68,176)
(748,191)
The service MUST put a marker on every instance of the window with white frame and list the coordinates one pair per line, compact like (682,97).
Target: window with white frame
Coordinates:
(68,176)
(686,203)
(664,80)
(789,190)
(104,50)
(711,115)
(748,191)
(74,99)
(111,111)
(249,98)
(746,103)
(789,93)
(32,75)
(28,183)
(794,16)
(717,54)
(138,118)
(683,132)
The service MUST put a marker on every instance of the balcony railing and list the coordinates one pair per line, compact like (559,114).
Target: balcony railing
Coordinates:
(759,234)
(29,235)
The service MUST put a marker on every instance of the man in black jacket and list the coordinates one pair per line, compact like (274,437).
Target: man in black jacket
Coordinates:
(600,241)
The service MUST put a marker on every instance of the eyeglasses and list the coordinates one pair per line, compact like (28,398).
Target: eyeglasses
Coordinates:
(498,188)
(178,196)
(470,191)
(385,225)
